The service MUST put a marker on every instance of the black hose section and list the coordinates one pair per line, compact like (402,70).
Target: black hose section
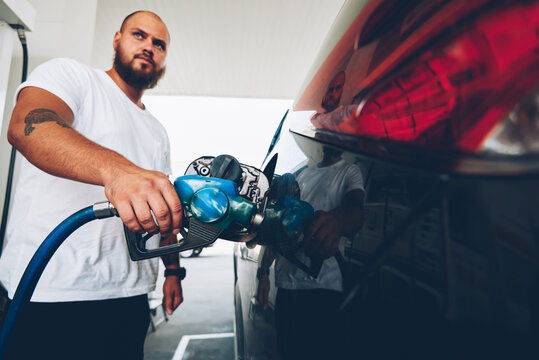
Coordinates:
(35,268)
(22,39)
(7,197)
(9,185)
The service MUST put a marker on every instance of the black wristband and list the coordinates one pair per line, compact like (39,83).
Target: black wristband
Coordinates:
(262,272)
(176,272)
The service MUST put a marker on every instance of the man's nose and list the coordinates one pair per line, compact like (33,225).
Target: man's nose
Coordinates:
(148,48)
(148,52)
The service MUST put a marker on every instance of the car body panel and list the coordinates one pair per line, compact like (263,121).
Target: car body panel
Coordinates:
(446,262)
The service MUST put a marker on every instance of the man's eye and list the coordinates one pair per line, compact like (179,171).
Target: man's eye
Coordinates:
(138,35)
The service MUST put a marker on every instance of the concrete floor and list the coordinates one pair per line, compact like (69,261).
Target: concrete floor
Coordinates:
(202,327)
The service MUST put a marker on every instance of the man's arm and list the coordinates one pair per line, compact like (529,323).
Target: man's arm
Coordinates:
(267,256)
(40,128)
(172,288)
(325,230)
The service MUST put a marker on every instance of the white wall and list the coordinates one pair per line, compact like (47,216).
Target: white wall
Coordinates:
(10,80)
(63,28)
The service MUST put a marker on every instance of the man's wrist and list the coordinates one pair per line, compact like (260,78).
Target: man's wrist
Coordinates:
(176,271)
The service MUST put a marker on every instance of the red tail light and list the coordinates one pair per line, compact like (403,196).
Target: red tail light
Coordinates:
(455,93)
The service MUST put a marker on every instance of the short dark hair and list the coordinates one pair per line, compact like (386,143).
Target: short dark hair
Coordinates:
(122,28)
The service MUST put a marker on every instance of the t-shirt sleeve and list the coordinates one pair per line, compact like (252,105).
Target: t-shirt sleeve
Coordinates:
(64,78)
(354,179)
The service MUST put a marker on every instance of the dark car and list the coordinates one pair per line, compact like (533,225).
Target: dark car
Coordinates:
(435,103)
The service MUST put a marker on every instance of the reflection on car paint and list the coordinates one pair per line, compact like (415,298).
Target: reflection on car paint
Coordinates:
(436,103)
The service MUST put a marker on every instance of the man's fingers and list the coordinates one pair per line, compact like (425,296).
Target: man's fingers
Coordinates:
(175,207)
(173,301)
(319,238)
(168,298)
(166,207)
(128,216)
(328,247)
(312,229)
(334,248)
(178,299)
(329,240)
(161,213)
(172,294)
(313,235)
(170,309)
(155,204)
(144,215)
(323,235)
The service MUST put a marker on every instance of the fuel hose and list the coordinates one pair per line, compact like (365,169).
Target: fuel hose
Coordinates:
(41,258)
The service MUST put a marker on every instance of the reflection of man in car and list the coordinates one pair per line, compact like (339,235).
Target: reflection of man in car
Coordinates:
(308,324)
(334,113)
(334,92)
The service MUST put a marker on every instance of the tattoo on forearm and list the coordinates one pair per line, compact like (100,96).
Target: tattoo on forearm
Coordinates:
(39,116)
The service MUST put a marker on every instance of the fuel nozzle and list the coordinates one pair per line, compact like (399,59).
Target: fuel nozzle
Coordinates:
(211,206)
(214,201)
(284,221)
(237,205)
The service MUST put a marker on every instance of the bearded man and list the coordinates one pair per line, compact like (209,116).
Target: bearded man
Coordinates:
(86,137)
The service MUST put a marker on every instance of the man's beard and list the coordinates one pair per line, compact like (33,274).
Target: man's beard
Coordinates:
(330,104)
(137,79)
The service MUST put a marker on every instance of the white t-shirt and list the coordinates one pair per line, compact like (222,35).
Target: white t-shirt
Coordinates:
(324,188)
(93,263)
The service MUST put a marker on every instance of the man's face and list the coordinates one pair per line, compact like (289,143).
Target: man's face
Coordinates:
(334,92)
(140,51)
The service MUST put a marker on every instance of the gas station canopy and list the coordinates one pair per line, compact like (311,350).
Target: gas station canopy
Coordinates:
(232,48)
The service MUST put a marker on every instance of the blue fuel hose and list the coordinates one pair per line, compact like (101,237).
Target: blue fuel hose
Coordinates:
(41,258)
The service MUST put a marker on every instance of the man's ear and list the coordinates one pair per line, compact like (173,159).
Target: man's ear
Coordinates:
(116,39)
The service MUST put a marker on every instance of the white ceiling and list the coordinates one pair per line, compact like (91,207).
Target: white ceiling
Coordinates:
(231,48)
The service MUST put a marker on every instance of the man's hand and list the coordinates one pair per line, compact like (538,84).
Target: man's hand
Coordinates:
(172,294)
(263,291)
(323,235)
(172,288)
(136,193)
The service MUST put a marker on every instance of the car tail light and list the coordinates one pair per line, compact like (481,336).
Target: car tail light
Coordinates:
(457,93)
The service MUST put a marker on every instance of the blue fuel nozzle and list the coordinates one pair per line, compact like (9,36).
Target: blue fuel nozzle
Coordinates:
(285,220)
(214,201)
